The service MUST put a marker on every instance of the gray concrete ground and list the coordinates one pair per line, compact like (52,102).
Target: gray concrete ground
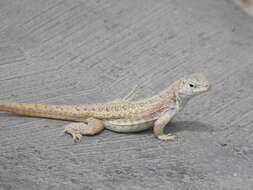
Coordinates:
(71,52)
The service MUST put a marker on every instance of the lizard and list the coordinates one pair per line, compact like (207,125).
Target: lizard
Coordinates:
(121,115)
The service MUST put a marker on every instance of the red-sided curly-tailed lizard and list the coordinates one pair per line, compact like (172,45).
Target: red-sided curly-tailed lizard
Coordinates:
(121,115)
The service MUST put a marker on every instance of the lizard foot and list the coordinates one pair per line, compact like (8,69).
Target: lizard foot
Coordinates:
(76,135)
(77,129)
(167,137)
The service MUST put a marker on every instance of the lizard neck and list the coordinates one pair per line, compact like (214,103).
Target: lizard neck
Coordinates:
(181,101)
(171,96)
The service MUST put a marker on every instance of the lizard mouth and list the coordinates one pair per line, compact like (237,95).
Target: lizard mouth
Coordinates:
(206,88)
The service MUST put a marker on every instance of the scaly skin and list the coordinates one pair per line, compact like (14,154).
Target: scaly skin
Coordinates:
(121,115)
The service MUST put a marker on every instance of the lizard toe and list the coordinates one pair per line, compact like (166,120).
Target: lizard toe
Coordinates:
(167,137)
(77,137)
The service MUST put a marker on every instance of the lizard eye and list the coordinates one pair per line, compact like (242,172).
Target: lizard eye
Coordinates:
(192,85)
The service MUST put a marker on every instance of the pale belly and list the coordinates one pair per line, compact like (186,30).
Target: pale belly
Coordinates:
(126,127)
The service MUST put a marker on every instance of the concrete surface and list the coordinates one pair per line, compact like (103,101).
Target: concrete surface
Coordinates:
(62,51)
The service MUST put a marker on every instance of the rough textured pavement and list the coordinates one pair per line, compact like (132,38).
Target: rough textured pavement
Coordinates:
(71,52)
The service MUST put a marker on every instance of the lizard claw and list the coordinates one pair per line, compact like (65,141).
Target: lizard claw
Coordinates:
(167,137)
(74,133)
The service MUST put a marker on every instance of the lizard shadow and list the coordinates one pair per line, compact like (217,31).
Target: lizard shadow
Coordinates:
(172,127)
(177,126)
(10,115)
(13,115)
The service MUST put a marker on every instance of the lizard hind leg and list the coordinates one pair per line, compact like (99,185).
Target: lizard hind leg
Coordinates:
(77,129)
(131,95)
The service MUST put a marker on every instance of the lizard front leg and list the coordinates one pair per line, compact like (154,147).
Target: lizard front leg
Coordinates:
(93,127)
(160,124)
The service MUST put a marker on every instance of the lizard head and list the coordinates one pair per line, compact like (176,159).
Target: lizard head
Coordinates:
(194,84)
